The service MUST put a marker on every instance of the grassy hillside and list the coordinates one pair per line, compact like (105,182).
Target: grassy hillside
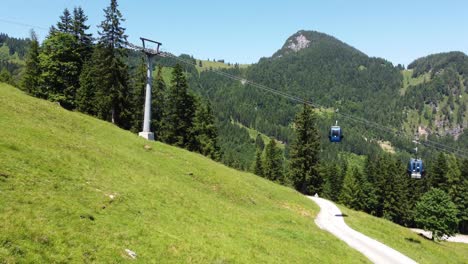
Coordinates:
(207,65)
(75,189)
(404,240)
(409,80)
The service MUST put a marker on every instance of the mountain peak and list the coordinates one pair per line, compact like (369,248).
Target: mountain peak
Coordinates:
(304,39)
(297,42)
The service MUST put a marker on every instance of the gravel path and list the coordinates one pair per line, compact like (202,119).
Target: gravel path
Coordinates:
(330,218)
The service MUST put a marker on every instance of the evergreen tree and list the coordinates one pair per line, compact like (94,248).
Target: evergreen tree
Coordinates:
(332,183)
(32,71)
(437,213)
(305,153)
(65,25)
(113,34)
(371,189)
(259,142)
(137,96)
(395,205)
(438,177)
(59,63)
(180,112)
(273,163)
(462,200)
(351,192)
(205,132)
(85,40)
(5,76)
(158,103)
(86,93)
(258,165)
(112,92)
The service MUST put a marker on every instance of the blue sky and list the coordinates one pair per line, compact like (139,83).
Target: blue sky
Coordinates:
(244,31)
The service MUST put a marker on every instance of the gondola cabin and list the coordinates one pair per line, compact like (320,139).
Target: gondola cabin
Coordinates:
(336,134)
(416,168)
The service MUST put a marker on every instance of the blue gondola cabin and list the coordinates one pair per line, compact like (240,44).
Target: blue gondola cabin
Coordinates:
(336,134)
(416,168)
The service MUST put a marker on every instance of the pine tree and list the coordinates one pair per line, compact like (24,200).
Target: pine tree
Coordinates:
(137,96)
(113,34)
(371,189)
(65,25)
(462,201)
(305,153)
(5,76)
(85,40)
(86,93)
(259,142)
(258,165)
(332,184)
(273,163)
(205,132)
(32,71)
(59,63)
(395,205)
(112,92)
(351,191)
(158,103)
(180,112)
(438,176)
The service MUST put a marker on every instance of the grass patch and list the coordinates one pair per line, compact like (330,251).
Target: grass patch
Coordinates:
(253,135)
(404,240)
(206,65)
(408,79)
(76,189)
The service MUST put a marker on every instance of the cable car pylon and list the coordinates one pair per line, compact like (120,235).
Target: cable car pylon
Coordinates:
(150,53)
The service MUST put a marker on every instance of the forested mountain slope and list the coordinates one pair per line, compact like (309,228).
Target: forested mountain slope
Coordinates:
(437,104)
(12,52)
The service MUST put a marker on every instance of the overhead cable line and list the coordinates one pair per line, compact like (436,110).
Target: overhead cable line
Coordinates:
(22,24)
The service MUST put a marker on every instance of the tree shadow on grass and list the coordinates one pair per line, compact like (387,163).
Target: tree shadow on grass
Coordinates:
(412,240)
(341,215)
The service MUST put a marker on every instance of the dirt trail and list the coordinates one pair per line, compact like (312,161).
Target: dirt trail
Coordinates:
(331,219)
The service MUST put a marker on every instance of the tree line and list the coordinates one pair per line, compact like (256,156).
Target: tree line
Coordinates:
(93,76)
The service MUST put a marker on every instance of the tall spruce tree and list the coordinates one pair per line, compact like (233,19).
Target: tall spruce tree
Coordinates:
(259,142)
(137,96)
(112,34)
(258,165)
(205,132)
(273,163)
(351,192)
(85,40)
(180,111)
(86,93)
(462,201)
(438,175)
(32,71)
(65,25)
(112,92)
(158,103)
(395,206)
(305,153)
(332,184)
(59,63)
